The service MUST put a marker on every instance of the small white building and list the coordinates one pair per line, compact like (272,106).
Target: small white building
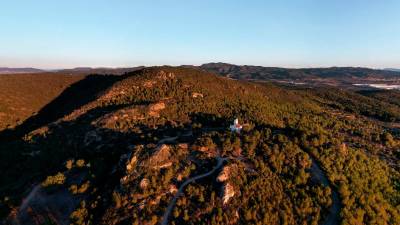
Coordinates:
(236,127)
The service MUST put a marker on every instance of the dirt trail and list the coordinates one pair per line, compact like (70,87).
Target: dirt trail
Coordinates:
(182,187)
(41,205)
(333,217)
(28,198)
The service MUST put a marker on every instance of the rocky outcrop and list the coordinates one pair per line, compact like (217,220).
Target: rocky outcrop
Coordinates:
(229,192)
(343,149)
(197,95)
(227,172)
(131,164)
(144,183)
(224,176)
(161,75)
(165,75)
(154,109)
(172,189)
(127,114)
(161,157)
(209,151)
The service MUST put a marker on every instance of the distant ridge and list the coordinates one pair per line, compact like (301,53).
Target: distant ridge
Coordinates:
(7,70)
(331,75)
(77,70)
(392,69)
(100,70)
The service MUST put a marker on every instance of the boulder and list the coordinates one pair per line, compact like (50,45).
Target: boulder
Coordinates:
(144,183)
(161,157)
(131,164)
(197,95)
(229,192)
(224,175)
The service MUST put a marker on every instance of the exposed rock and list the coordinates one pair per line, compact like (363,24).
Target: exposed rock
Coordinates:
(229,192)
(165,75)
(161,157)
(155,108)
(149,83)
(197,95)
(144,183)
(203,149)
(165,165)
(210,152)
(131,164)
(224,175)
(111,119)
(179,177)
(117,91)
(226,172)
(172,189)
(343,149)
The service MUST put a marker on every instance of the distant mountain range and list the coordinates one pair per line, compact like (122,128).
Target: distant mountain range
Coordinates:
(77,70)
(7,70)
(100,70)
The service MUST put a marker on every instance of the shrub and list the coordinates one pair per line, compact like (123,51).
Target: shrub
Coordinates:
(80,163)
(57,179)
(80,214)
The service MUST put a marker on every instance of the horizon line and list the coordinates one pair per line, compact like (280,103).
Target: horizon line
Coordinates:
(52,69)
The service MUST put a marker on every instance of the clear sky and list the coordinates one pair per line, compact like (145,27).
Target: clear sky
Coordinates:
(289,33)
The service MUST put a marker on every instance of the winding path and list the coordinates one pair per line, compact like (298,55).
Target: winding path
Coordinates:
(182,187)
(333,217)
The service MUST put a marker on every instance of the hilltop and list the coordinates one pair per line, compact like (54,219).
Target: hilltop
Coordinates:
(154,146)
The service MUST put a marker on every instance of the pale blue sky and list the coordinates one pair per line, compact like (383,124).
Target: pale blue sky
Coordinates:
(289,33)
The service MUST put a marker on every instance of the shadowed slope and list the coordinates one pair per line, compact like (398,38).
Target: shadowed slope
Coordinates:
(73,97)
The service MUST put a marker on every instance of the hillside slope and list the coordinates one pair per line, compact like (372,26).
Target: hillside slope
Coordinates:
(121,155)
(22,95)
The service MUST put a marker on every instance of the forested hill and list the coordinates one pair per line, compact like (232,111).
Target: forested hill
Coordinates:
(153,146)
(266,73)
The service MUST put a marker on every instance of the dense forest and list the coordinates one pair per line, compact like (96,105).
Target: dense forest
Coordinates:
(153,146)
